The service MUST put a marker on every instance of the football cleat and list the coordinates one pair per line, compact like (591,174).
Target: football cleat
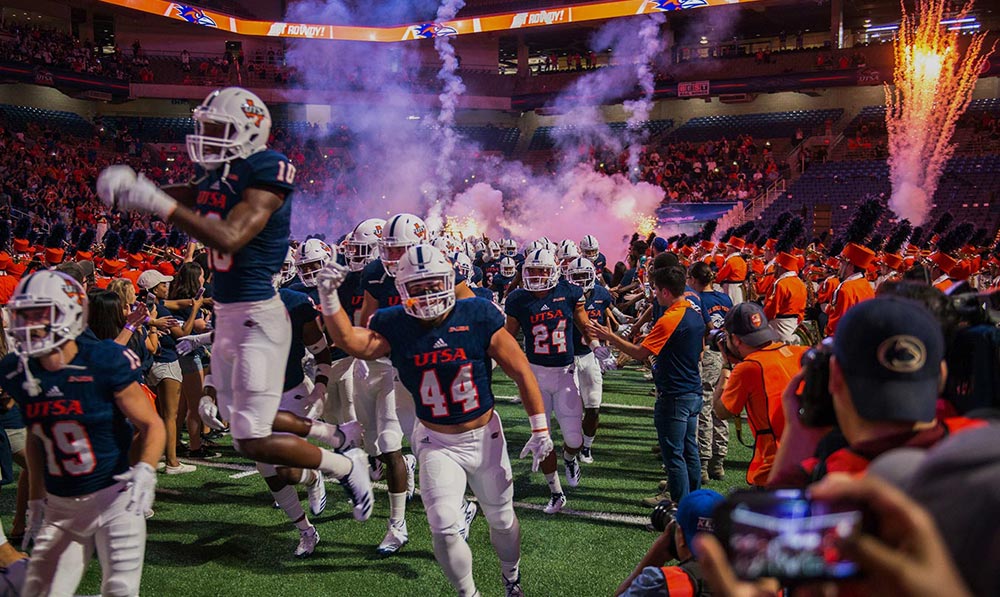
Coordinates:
(573,472)
(512,588)
(317,494)
(586,456)
(395,538)
(307,542)
(375,469)
(556,503)
(411,475)
(358,486)
(470,510)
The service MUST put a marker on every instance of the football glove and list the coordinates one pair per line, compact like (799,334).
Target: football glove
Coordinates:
(209,413)
(140,194)
(141,480)
(113,182)
(328,280)
(35,519)
(188,344)
(539,446)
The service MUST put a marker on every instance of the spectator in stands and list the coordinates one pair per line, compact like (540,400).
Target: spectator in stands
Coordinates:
(185,61)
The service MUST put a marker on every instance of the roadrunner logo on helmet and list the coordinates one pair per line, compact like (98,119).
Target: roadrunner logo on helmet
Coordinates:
(311,257)
(581,272)
(400,232)
(426,282)
(231,123)
(362,244)
(540,271)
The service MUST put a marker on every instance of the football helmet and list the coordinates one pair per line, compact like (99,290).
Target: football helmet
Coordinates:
(425,281)
(533,246)
(231,123)
(581,272)
(48,309)
(362,244)
(547,244)
(540,271)
(463,266)
(566,253)
(589,247)
(492,250)
(312,256)
(508,247)
(288,271)
(508,267)
(400,232)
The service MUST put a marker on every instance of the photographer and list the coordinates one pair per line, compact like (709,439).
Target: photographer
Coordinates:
(676,342)
(878,381)
(651,577)
(762,365)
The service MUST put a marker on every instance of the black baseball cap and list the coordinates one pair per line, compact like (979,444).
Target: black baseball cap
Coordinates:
(748,322)
(890,350)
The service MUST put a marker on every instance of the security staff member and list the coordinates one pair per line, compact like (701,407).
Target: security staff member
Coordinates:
(763,365)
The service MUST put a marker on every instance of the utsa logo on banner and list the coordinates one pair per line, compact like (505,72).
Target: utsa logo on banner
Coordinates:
(430,31)
(194,15)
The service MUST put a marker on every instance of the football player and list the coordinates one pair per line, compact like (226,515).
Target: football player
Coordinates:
(81,409)
(442,348)
(464,268)
(590,249)
(589,372)
(239,205)
(547,309)
(504,278)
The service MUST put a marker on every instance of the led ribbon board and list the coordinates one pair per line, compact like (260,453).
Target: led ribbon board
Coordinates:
(497,22)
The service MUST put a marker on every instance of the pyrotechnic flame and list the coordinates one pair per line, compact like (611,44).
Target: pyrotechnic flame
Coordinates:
(932,88)
(462,228)
(645,225)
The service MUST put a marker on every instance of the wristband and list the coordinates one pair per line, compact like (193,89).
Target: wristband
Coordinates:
(317,346)
(130,327)
(324,372)
(594,344)
(209,382)
(329,303)
(539,423)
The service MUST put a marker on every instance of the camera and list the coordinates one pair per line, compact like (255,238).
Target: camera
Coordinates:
(662,520)
(815,401)
(717,340)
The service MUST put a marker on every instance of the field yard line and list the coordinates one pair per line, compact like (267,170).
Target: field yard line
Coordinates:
(601,516)
(645,409)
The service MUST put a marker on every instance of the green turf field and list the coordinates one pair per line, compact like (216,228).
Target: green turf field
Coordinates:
(218,535)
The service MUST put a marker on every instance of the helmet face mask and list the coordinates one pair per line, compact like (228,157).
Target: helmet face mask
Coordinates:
(54,313)
(311,257)
(589,247)
(539,271)
(361,246)
(231,123)
(400,232)
(508,268)
(426,282)
(580,272)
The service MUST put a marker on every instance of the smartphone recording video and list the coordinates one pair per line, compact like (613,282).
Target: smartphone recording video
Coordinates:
(786,535)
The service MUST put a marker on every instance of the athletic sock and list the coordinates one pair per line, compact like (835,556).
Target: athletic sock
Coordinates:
(326,433)
(553,480)
(588,440)
(337,465)
(397,506)
(288,499)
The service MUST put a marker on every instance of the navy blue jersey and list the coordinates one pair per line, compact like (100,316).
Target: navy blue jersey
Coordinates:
(301,310)
(600,263)
(86,437)
(500,284)
(547,323)
(597,303)
(376,282)
(247,274)
(490,269)
(483,293)
(714,306)
(168,344)
(447,368)
(693,297)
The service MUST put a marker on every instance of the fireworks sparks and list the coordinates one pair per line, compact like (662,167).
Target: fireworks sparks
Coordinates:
(645,225)
(933,86)
(462,228)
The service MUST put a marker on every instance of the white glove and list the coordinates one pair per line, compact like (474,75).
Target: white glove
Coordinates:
(318,393)
(539,446)
(113,182)
(188,344)
(141,479)
(360,369)
(601,352)
(352,435)
(209,413)
(328,280)
(35,518)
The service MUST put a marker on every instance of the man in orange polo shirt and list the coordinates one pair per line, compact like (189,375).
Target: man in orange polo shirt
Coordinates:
(763,367)
(785,301)
(733,272)
(854,262)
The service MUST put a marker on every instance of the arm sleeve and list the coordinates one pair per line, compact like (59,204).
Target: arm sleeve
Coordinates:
(661,332)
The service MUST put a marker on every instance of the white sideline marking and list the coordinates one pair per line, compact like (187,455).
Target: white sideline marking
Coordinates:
(645,409)
(245,471)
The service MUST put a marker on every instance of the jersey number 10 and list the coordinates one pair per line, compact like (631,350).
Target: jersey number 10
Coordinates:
(217,260)
(463,391)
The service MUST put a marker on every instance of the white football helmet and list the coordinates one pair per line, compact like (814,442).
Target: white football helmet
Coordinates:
(589,247)
(508,247)
(362,244)
(463,266)
(547,244)
(581,272)
(492,250)
(533,246)
(444,244)
(400,232)
(231,123)
(425,281)
(566,253)
(311,257)
(539,271)
(508,267)
(48,309)
(288,271)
